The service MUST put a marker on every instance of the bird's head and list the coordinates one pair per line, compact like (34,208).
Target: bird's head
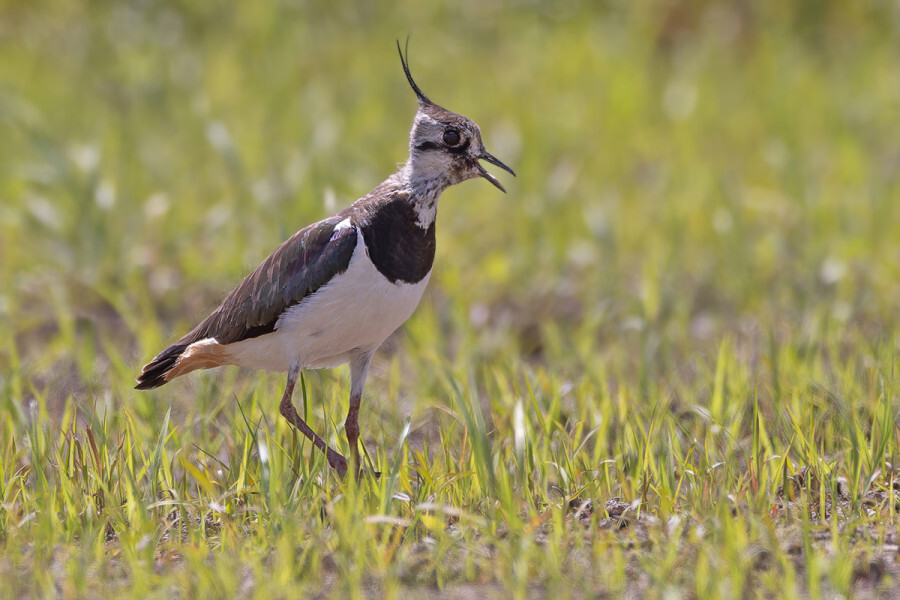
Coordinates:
(444,145)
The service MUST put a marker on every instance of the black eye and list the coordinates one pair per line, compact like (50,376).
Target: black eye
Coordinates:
(451,137)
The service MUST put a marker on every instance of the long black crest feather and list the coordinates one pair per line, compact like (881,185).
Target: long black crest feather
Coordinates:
(405,61)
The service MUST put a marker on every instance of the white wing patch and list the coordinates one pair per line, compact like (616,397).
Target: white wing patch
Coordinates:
(342,225)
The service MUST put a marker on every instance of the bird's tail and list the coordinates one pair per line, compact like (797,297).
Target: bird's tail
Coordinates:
(158,371)
(180,358)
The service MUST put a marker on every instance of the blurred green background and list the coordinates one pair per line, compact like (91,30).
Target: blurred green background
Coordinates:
(696,168)
(705,211)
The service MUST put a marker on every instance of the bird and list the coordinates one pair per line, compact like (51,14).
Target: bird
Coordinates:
(334,291)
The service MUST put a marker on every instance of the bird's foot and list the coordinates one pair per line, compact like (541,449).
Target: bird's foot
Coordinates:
(361,474)
(337,462)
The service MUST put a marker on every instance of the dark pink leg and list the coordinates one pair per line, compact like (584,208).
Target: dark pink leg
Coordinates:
(337,462)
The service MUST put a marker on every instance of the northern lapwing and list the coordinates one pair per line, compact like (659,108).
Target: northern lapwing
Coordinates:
(334,291)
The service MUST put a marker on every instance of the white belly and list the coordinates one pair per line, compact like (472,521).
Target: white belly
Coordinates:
(355,311)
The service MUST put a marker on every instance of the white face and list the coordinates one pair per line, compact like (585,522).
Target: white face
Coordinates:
(445,148)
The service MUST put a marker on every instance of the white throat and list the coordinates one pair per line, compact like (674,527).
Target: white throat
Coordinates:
(425,187)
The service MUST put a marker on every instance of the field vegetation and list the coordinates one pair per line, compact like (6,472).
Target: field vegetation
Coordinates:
(664,364)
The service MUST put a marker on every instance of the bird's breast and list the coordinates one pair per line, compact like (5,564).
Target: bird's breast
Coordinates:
(398,244)
(357,309)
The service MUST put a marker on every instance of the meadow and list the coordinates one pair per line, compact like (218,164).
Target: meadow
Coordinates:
(663,365)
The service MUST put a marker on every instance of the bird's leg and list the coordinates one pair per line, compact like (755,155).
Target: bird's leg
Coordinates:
(337,462)
(352,428)
(359,370)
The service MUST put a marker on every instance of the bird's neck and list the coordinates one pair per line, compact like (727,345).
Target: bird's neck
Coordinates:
(424,187)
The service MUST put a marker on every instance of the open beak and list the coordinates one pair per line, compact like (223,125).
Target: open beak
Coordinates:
(485,156)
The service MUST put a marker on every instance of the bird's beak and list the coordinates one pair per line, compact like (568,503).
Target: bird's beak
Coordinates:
(486,156)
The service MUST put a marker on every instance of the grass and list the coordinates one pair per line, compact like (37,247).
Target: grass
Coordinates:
(664,364)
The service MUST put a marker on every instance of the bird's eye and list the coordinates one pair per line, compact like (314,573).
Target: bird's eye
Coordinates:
(451,137)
